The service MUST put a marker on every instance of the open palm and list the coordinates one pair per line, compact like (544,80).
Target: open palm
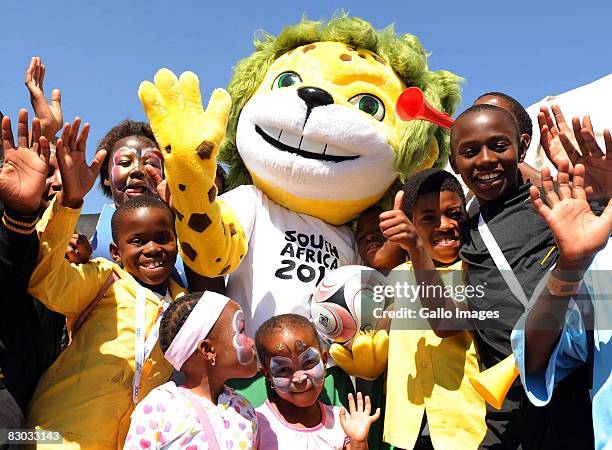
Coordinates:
(577,145)
(356,424)
(24,173)
(77,176)
(578,232)
(598,164)
(550,131)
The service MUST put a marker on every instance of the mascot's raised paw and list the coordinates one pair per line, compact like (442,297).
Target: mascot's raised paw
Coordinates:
(179,121)
(367,357)
(189,138)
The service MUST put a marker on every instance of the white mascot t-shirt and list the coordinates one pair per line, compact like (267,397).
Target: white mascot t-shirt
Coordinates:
(289,253)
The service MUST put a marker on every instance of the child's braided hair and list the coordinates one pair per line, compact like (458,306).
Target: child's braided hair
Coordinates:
(174,318)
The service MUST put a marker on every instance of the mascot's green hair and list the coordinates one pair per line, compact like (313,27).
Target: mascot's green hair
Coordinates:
(404,54)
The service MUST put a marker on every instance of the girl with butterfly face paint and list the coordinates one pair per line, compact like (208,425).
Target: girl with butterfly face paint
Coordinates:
(291,376)
(292,360)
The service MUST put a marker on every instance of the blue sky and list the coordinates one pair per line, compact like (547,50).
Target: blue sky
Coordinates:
(98,52)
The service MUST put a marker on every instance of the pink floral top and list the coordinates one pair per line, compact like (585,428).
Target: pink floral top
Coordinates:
(166,419)
(275,433)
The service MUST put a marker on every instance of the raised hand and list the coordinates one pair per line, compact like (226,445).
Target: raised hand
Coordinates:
(50,116)
(578,146)
(579,233)
(597,164)
(24,173)
(398,228)
(550,130)
(356,424)
(212,240)
(77,176)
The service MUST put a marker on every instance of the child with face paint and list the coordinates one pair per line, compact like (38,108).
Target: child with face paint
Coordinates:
(291,359)
(203,336)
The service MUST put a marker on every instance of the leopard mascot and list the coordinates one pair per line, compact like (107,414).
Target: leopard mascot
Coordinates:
(308,128)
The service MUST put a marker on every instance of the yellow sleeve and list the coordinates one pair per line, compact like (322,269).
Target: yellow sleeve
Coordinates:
(211,239)
(61,286)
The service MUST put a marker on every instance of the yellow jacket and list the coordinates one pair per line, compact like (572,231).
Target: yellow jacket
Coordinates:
(86,394)
(429,373)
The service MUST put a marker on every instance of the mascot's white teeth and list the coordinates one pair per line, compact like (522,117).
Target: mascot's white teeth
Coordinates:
(303,146)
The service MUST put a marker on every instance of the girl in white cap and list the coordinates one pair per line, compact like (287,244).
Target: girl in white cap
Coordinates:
(203,336)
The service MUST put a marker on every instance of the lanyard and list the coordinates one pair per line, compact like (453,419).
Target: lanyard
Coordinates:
(502,264)
(472,207)
(143,348)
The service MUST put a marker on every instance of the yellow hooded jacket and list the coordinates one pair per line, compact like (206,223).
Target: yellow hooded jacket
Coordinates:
(86,394)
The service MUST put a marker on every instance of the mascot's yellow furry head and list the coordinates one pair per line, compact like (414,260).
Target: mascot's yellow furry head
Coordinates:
(313,121)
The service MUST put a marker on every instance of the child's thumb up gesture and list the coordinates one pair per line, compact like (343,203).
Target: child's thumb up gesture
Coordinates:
(398,228)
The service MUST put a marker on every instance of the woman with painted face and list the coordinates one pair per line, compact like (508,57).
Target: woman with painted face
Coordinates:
(203,336)
(291,359)
(132,155)
(132,149)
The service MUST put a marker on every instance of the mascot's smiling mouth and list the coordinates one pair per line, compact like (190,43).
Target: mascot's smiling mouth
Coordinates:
(306,148)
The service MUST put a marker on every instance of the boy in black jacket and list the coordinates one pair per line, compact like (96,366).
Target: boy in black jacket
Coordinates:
(486,148)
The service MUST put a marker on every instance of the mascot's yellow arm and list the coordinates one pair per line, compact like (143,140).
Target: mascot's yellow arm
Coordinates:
(212,241)
(367,357)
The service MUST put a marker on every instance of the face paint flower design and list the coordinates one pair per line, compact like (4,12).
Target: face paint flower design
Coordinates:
(289,375)
(241,342)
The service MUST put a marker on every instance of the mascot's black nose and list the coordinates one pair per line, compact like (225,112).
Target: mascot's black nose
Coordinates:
(314,97)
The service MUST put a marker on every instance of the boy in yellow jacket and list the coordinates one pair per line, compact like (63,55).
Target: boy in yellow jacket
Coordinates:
(427,378)
(114,359)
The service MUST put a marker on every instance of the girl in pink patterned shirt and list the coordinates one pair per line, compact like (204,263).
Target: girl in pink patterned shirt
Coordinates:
(203,336)
(291,359)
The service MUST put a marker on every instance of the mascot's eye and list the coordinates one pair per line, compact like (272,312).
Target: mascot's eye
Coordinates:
(369,104)
(286,79)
